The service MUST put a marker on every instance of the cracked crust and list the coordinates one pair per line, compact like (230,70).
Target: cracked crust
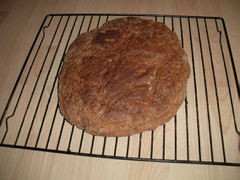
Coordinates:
(128,76)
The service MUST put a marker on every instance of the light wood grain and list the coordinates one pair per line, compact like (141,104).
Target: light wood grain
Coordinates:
(20,164)
(19,22)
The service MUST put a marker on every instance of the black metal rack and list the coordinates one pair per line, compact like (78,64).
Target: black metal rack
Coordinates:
(200,133)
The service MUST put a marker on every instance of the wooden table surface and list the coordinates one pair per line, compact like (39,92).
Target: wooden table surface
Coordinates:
(19,22)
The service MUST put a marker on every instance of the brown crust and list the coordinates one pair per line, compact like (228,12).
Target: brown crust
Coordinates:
(128,76)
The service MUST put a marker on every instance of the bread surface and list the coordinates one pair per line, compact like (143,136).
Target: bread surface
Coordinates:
(128,76)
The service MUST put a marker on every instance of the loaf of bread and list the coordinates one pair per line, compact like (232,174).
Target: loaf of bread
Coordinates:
(128,76)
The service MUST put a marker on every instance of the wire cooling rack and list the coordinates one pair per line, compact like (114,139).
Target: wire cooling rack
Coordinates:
(204,131)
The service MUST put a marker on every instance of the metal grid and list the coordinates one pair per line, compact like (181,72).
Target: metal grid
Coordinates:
(204,131)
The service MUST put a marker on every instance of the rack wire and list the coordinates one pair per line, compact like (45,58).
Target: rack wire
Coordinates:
(204,131)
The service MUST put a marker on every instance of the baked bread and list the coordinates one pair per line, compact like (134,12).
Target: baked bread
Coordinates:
(128,76)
